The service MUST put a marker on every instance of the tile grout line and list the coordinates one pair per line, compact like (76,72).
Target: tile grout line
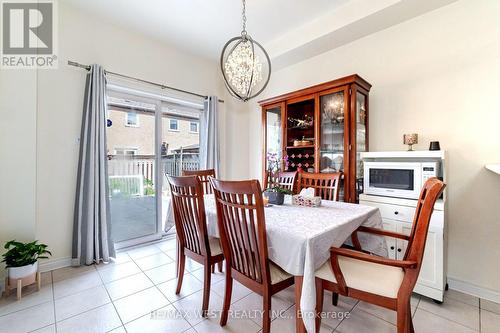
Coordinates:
(140,272)
(103,285)
(480,314)
(371,314)
(53,299)
(158,289)
(29,307)
(69,278)
(350,312)
(451,320)
(190,273)
(111,301)
(53,305)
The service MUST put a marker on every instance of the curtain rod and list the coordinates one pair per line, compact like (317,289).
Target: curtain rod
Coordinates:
(162,86)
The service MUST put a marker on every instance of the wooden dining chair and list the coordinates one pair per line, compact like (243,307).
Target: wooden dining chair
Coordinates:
(190,223)
(242,227)
(384,282)
(203,177)
(285,180)
(207,189)
(326,185)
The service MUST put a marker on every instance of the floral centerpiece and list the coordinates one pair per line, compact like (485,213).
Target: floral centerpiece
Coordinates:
(274,192)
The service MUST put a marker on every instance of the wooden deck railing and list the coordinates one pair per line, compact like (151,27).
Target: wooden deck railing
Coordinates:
(145,165)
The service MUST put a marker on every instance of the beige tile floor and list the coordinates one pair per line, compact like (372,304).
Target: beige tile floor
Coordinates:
(137,294)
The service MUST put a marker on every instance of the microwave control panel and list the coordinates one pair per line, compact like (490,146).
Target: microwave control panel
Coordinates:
(429,170)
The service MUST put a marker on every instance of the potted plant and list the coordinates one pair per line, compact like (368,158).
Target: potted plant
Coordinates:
(274,192)
(22,261)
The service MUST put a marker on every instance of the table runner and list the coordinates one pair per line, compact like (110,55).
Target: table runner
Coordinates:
(299,238)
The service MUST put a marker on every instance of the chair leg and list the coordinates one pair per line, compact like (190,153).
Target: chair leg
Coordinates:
(335,299)
(410,320)
(213,268)
(219,266)
(180,274)
(266,313)
(319,303)
(177,255)
(227,297)
(402,317)
(206,289)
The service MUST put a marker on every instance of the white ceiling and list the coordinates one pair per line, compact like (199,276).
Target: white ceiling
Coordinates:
(203,26)
(290,30)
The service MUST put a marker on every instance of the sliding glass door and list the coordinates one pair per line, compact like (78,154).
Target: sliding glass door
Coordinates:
(147,139)
(132,169)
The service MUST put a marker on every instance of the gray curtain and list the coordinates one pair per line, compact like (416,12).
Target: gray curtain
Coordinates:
(91,228)
(209,135)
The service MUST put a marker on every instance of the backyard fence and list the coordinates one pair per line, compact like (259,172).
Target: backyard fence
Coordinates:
(145,165)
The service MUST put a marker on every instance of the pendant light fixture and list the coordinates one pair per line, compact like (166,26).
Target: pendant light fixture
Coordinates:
(245,65)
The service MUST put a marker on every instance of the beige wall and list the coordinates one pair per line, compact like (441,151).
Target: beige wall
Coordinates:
(17,155)
(437,75)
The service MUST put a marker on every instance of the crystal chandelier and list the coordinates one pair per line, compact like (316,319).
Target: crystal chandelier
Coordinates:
(245,75)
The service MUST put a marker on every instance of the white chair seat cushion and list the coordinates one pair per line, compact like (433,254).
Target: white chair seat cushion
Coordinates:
(366,276)
(277,273)
(215,248)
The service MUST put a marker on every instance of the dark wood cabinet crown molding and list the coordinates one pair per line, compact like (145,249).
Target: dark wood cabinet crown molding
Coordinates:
(354,78)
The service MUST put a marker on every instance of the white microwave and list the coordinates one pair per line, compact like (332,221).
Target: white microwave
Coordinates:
(397,179)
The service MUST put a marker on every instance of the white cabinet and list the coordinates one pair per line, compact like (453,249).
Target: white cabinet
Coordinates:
(398,216)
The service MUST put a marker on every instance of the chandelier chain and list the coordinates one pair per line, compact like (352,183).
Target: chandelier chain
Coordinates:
(244,19)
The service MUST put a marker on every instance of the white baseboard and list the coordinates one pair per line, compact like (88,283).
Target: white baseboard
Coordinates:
(51,264)
(471,289)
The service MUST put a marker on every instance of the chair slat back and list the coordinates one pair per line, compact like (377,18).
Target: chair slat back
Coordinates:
(203,177)
(241,222)
(430,192)
(285,180)
(326,185)
(189,213)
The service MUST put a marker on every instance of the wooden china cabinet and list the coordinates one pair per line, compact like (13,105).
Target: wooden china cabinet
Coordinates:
(322,128)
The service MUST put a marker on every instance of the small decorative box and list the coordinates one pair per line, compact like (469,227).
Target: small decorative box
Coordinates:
(299,200)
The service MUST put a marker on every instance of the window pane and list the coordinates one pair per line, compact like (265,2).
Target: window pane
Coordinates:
(132,119)
(194,127)
(273,131)
(174,125)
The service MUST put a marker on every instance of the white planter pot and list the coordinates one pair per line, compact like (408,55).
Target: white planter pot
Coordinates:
(26,273)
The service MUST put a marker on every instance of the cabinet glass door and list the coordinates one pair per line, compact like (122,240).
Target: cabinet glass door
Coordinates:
(361,140)
(273,135)
(332,110)
(273,131)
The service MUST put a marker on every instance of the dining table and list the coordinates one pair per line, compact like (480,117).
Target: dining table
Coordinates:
(299,239)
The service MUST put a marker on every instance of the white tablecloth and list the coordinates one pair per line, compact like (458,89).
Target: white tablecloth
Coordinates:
(299,238)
